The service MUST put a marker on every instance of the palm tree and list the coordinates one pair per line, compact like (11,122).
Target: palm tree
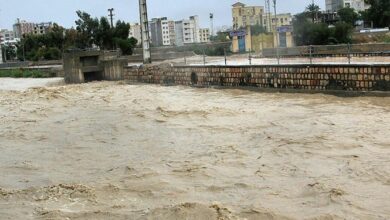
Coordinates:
(313,11)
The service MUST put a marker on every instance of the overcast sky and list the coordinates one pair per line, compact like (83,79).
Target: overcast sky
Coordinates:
(63,12)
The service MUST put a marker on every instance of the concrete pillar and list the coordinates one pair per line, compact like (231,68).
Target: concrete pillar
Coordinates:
(143,11)
(1,55)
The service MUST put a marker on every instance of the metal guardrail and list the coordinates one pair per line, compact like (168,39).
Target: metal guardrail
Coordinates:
(330,50)
(14,65)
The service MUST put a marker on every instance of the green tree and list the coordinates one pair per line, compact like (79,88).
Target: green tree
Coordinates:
(89,32)
(9,52)
(257,29)
(221,37)
(348,15)
(126,45)
(313,11)
(343,32)
(308,33)
(88,28)
(122,30)
(378,13)
(105,35)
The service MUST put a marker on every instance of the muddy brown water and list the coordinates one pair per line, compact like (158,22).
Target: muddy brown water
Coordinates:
(114,151)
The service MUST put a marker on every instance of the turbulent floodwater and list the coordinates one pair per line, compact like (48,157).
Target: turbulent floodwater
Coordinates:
(114,151)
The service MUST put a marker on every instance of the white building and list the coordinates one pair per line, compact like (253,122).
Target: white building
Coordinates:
(166,40)
(358,5)
(335,5)
(160,31)
(172,33)
(204,34)
(135,32)
(187,31)
(179,28)
(195,25)
(6,36)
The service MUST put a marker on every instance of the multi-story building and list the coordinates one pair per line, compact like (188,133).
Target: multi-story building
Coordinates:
(166,37)
(159,32)
(358,5)
(42,28)
(246,15)
(335,5)
(172,33)
(6,36)
(280,20)
(187,31)
(135,32)
(194,24)
(22,27)
(204,34)
(179,31)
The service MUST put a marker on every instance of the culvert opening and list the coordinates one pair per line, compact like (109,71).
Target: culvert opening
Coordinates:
(93,76)
(194,78)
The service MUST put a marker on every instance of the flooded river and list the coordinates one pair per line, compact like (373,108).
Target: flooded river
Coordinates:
(114,151)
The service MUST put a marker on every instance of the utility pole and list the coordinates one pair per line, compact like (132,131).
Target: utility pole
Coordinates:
(211,25)
(111,15)
(276,33)
(268,14)
(143,12)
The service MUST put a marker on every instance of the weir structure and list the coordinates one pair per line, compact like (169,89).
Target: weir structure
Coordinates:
(143,12)
(284,77)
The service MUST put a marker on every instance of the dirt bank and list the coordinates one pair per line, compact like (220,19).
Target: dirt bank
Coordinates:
(114,151)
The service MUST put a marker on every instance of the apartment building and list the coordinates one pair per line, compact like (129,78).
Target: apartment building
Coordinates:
(278,21)
(179,31)
(7,36)
(135,32)
(42,28)
(22,27)
(172,33)
(358,5)
(159,31)
(166,40)
(246,15)
(204,34)
(335,5)
(187,31)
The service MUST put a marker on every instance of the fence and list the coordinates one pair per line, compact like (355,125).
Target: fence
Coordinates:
(331,50)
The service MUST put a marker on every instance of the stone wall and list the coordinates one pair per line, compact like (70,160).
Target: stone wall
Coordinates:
(304,77)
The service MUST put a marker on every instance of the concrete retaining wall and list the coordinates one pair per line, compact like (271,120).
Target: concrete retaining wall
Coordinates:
(303,77)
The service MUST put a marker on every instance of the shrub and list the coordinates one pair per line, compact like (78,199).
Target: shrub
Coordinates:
(23,73)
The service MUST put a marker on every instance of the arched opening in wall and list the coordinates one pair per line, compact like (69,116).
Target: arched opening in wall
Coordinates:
(194,78)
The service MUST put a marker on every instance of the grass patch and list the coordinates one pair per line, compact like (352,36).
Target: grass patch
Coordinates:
(25,73)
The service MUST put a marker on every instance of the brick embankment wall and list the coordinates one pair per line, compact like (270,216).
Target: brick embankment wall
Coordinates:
(304,77)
